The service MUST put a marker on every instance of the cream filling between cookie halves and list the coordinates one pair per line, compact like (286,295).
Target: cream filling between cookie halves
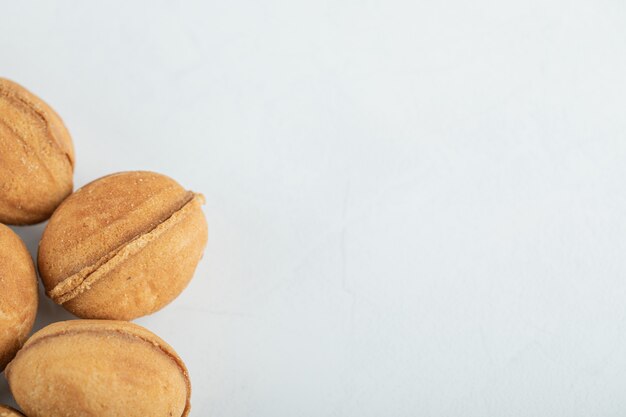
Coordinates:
(81,281)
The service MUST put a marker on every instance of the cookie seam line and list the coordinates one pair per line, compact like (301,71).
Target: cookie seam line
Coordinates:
(40,114)
(66,290)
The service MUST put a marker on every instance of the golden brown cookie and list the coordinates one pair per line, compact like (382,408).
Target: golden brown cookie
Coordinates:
(18,294)
(99,368)
(36,157)
(123,246)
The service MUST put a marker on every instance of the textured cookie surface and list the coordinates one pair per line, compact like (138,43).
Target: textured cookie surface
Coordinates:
(99,368)
(18,294)
(36,157)
(122,246)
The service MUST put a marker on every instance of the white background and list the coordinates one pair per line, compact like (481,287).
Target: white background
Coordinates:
(416,208)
